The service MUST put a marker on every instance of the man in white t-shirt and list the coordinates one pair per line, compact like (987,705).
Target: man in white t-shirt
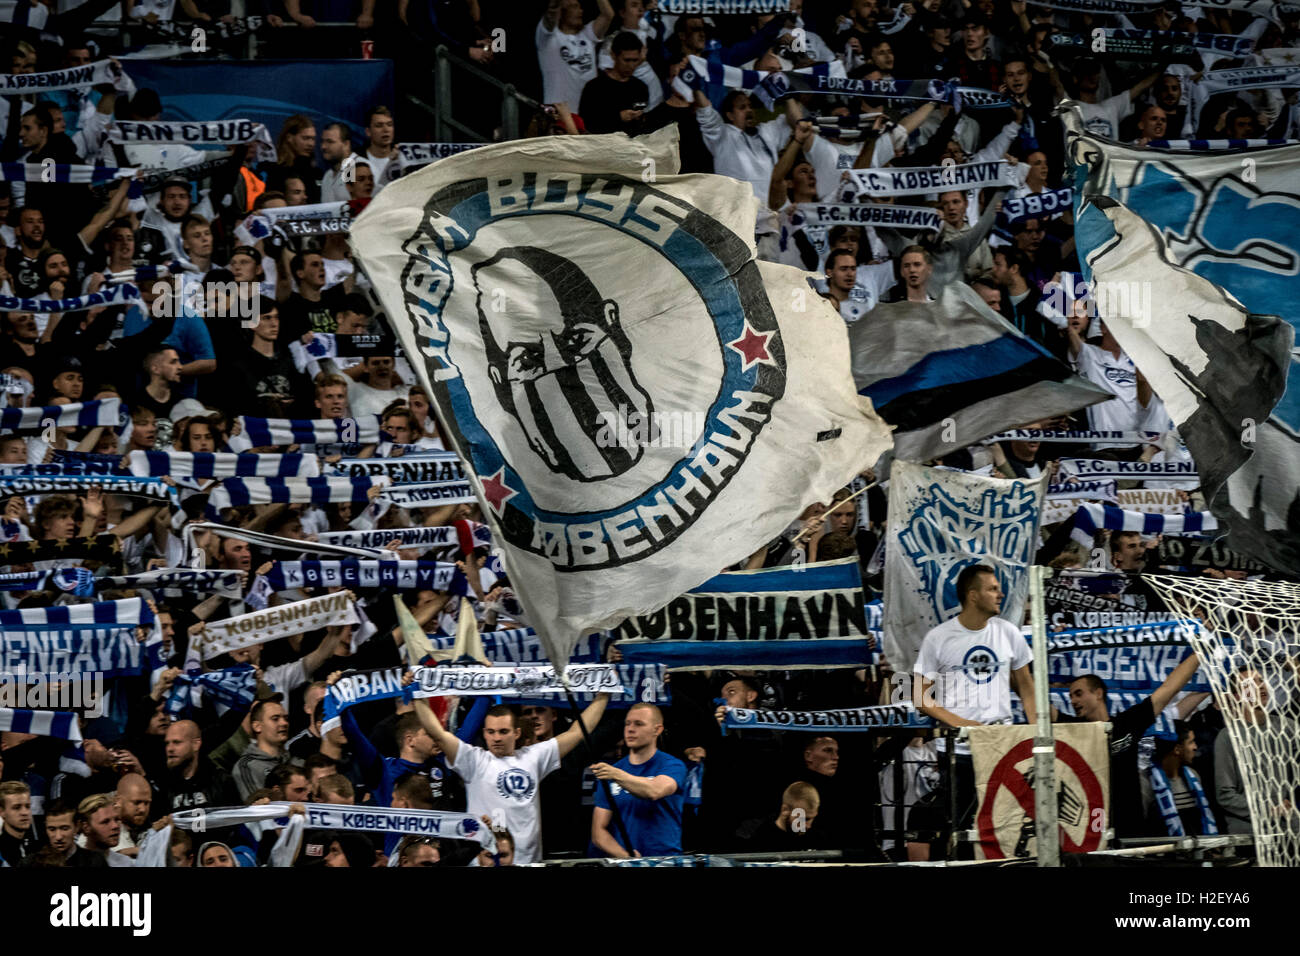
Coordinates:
(502,782)
(966,668)
(567,49)
(1102,118)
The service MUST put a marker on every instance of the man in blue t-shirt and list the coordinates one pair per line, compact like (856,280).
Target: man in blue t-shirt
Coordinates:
(647,786)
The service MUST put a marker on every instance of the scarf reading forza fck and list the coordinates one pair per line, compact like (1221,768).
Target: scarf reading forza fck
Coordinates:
(284,620)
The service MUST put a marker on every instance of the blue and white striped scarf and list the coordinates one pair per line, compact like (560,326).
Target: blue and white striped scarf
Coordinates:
(129,612)
(235,492)
(105,652)
(44,723)
(360,573)
(108,411)
(62,173)
(261,432)
(1164,795)
(1092,517)
(232,687)
(123,294)
(222,465)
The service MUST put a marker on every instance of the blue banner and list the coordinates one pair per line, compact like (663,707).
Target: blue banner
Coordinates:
(269,91)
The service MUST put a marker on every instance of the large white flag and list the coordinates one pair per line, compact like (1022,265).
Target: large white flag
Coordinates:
(638,402)
(941,521)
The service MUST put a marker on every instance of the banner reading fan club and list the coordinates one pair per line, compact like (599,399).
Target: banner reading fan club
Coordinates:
(568,303)
(572,364)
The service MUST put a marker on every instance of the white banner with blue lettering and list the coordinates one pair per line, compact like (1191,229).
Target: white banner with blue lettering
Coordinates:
(940,522)
(796,617)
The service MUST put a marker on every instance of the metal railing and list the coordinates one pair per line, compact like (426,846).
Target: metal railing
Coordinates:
(445,124)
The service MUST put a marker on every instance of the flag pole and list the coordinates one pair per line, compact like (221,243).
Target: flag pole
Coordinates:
(609,794)
(838,505)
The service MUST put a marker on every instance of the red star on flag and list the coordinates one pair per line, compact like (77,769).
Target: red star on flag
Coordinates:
(752,347)
(496,491)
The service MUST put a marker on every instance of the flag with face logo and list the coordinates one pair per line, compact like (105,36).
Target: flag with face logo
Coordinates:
(638,402)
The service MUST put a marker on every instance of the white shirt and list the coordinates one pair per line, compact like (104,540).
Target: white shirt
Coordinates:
(1119,377)
(749,158)
(364,400)
(510,785)
(1104,118)
(568,61)
(378,166)
(971,670)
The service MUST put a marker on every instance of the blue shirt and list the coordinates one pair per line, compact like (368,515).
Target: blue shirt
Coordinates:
(653,826)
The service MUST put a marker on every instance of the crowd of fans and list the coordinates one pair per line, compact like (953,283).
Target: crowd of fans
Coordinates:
(186,375)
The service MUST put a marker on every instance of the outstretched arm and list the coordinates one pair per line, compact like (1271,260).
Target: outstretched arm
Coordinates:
(589,717)
(448,742)
(1174,683)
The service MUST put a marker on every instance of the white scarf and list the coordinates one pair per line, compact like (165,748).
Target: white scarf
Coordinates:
(258,627)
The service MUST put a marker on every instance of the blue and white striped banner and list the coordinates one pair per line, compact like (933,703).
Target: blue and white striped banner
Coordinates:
(222,465)
(701,73)
(44,723)
(262,432)
(129,612)
(236,492)
(109,412)
(62,173)
(354,573)
(123,294)
(521,645)
(1091,518)
(807,616)
(839,721)
(232,687)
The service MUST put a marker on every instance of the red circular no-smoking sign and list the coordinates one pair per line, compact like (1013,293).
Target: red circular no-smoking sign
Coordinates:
(1006,775)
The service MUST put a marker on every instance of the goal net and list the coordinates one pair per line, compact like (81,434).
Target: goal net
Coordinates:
(1249,649)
